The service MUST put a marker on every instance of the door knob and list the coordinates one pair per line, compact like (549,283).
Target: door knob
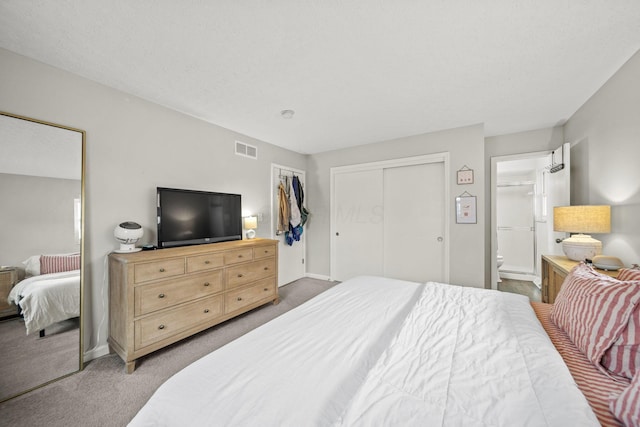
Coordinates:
(440,239)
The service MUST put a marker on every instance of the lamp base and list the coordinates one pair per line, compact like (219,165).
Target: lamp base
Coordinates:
(127,248)
(581,246)
(251,234)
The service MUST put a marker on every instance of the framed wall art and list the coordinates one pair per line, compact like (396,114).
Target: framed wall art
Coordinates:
(466,209)
(465,175)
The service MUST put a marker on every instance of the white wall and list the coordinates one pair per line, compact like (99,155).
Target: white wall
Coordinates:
(132,147)
(607,129)
(466,147)
(37,217)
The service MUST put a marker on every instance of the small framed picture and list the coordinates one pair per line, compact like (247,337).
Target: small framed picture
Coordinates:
(466,211)
(465,176)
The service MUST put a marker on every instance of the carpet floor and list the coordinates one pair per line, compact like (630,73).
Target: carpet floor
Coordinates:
(104,395)
(29,360)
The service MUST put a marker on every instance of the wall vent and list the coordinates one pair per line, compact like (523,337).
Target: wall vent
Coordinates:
(246,150)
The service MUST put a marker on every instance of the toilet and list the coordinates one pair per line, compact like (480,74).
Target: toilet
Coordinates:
(499,261)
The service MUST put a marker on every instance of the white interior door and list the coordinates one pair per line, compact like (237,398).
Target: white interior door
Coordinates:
(358,220)
(414,222)
(291,259)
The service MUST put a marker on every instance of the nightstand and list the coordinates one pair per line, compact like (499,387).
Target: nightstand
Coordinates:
(554,270)
(8,278)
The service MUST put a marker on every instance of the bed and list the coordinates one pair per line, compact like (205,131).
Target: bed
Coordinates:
(46,299)
(377,351)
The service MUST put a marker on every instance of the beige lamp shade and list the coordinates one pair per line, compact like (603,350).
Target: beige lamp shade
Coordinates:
(582,219)
(250,222)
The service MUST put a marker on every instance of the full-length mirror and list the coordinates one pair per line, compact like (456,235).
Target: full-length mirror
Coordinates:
(41,188)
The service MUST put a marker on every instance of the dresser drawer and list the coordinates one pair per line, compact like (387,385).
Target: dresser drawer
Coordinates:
(156,296)
(205,262)
(238,255)
(144,272)
(247,273)
(157,327)
(264,252)
(235,300)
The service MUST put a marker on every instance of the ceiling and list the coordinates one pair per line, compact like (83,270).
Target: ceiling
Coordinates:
(354,72)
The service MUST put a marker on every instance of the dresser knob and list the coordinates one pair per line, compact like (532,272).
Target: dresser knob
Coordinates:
(207,262)
(206,283)
(266,289)
(161,327)
(162,270)
(266,252)
(239,299)
(206,310)
(161,296)
(239,275)
(266,268)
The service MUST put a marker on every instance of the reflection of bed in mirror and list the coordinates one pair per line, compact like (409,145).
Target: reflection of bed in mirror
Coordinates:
(47,299)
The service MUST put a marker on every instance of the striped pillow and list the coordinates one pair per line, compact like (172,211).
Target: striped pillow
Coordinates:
(623,357)
(626,406)
(593,309)
(59,263)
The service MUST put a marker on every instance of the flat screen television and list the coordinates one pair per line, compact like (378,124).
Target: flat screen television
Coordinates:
(188,217)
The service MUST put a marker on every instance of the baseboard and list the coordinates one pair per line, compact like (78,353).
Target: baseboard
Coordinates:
(95,352)
(317,276)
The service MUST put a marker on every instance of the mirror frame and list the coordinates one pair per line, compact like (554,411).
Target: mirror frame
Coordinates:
(82,246)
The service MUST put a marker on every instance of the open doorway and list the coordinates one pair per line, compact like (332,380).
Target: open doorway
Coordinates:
(524,189)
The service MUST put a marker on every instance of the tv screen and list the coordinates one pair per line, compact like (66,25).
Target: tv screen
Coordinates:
(188,217)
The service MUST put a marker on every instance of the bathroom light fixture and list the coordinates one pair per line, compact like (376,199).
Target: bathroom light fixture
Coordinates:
(250,224)
(287,114)
(582,219)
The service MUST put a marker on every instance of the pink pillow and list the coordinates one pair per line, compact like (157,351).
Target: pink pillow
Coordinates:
(59,263)
(626,406)
(593,309)
(623,357)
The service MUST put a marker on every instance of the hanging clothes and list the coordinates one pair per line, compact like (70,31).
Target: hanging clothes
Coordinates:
(294,214)
(299,192)
(283,211)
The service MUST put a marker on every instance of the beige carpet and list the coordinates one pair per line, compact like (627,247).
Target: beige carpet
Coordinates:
(103,395)
(29,360)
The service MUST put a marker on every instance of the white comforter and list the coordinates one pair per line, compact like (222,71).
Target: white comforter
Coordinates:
(47,299)
(374,351)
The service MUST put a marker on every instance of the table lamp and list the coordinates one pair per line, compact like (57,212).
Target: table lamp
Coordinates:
(250,224)
(579,220)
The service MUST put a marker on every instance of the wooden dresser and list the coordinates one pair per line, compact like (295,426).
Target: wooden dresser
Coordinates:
(8,278)
(554,270)
(161,296)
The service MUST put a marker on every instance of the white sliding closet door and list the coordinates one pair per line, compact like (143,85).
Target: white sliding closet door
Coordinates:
(414,222)
(390,219)
(358,224)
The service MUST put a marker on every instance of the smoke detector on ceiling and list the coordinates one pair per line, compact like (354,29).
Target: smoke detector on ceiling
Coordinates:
(287,114)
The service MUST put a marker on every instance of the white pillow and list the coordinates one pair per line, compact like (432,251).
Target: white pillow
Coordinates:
(32,265)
